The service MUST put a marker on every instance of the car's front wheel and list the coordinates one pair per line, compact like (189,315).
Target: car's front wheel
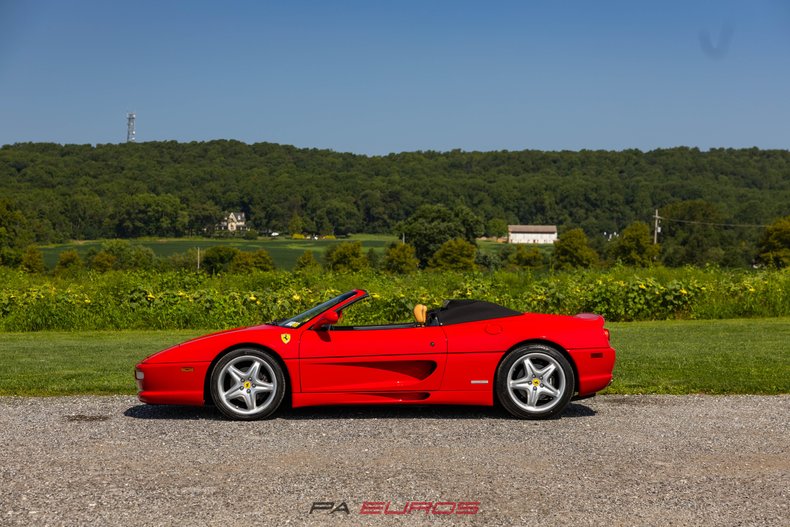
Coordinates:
(535,382)
(247,384)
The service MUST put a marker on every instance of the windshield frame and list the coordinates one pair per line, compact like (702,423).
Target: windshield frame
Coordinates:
(304,317)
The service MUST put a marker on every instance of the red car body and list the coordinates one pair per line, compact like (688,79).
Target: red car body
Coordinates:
(399,364)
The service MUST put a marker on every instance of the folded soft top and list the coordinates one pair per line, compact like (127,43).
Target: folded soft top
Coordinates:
(458,311)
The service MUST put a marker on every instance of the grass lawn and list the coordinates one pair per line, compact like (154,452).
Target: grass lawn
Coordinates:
(675,357)
(702,356)
(284,251)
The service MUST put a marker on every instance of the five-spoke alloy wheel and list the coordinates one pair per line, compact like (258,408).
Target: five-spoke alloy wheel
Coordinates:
(535,382)
(247,384)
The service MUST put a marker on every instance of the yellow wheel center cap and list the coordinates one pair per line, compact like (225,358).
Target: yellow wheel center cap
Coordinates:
(535,382)
(247,385)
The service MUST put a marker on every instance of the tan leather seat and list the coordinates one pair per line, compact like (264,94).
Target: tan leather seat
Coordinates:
(420,312)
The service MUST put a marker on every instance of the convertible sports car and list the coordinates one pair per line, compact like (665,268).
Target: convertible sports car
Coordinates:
(466,352)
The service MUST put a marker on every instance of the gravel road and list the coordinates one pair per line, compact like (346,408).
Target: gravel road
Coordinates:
(611,460)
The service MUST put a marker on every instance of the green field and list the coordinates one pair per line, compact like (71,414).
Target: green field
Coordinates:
(283,250)
(673,357)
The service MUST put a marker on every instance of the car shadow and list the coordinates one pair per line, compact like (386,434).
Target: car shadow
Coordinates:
(174,412)
(196,413)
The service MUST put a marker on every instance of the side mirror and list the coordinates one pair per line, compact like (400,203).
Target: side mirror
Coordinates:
(327,319)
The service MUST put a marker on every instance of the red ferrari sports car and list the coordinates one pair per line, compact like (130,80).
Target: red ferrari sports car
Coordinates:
(466,352)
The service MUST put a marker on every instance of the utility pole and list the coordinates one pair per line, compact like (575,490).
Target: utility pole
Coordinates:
(198,255)
(656,228)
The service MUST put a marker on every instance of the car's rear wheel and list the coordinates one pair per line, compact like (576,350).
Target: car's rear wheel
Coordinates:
(535,382)
(247,384)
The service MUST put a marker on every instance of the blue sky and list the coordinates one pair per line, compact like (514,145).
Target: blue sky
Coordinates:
(377,77)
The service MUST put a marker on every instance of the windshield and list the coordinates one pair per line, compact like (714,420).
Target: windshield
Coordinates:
(301,318)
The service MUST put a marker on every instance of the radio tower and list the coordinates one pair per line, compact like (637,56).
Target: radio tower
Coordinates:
(130,127)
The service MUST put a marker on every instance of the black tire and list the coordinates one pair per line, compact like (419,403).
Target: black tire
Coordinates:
(247,384)
(535,382)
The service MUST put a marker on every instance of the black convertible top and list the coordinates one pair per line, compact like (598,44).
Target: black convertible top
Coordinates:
(458,311)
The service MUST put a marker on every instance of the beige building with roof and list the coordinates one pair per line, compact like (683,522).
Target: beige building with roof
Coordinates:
(531,233)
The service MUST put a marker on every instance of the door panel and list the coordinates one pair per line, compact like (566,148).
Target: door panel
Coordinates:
(400,359)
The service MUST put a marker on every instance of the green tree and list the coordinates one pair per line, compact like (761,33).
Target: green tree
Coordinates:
(343,216)
(688,238)
(13,233)
(151,215)
(432,225)
(345,256)
(10,257)
(572,250)
(774,246)
(307,262)
(33,261)
(496,228)
(400,258)
(204,217)
(295,224)
(454,255)
(634,246)
(217,259)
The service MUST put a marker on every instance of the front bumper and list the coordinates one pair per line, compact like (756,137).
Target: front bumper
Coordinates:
(171,383)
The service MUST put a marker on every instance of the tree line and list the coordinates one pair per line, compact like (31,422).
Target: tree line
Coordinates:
(713,202)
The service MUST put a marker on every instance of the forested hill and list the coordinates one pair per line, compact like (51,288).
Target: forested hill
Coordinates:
(172,189)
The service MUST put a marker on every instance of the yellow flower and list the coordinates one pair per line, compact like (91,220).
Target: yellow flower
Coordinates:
(296,297)
(87,300)
(683,292)
(252,298)
(642,286)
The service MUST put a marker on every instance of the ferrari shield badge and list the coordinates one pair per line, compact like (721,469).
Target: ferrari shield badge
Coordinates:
(286,337)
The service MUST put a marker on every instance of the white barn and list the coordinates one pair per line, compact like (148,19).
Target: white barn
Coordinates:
(531,233)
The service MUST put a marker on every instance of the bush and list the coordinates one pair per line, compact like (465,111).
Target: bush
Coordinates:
(345,257)
(526,257)
(400,258)
(69,262)
(33,261)
(307,262)
(187,299)
(245,262)
(454,255)
(102,262)
(573,250)
(217,259)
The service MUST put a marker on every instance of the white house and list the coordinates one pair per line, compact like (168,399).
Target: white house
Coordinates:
(531,233)
(234,221)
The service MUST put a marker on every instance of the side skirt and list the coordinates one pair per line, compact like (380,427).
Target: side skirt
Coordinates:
(472,398)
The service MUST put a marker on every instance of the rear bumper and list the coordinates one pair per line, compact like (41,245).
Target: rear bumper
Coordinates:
(595,367)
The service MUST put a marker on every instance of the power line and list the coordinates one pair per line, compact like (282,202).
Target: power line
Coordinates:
(714,224)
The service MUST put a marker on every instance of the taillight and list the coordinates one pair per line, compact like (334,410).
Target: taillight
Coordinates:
(606,332)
